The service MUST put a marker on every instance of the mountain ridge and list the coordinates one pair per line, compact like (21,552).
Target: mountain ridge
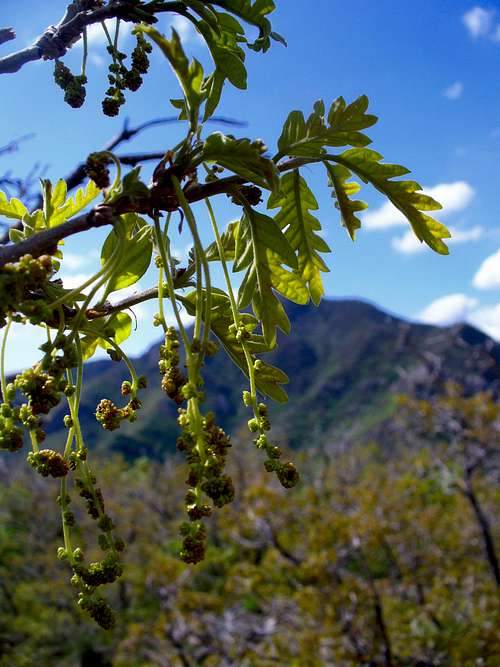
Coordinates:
(346,359)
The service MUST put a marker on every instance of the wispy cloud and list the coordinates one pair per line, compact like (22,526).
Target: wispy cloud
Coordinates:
(448,310)
(488,320)
(408,244)
(480,22)
(454,92)
(454,308)
(488,274)
(73,262)
(454,197)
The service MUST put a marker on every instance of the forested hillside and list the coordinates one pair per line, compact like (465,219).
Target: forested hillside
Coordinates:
(346,362)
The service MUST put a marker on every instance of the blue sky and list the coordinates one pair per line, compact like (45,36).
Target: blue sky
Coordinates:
(432,73)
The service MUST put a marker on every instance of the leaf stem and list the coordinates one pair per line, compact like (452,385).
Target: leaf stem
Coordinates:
(202,258)
(2,358)
(85,51)
(164,248)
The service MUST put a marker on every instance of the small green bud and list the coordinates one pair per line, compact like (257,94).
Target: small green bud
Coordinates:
(247,399)
(253,425)
(78,555)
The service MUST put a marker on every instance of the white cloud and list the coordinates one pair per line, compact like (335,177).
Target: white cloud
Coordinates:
(479,21)
(73,262)
(488,274)
(465,235)
(96,59)
(454,91)
(488,320)
(74,280)
(448,310)
(408,243)
(453,197)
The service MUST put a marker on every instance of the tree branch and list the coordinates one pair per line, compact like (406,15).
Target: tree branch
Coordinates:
(128,302)
(13,145)
(77,176)
(6,34)
(159,198)
(46,241)
(55,41)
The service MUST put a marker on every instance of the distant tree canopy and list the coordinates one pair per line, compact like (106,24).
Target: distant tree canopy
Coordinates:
(372,560)
(275,249)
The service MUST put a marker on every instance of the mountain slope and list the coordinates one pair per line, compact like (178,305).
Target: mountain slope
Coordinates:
(346,360)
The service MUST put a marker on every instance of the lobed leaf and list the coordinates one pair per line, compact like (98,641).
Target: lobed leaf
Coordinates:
(243,157)
(296,201)
(259,241)
(301,138)
(119,323)
(342,191)
(12,208)
(404,195)
(254,13)
(189,74)
(63,209)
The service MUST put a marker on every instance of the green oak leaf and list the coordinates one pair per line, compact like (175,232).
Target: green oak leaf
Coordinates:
(63,208)
(137,251)
(12,208)
(343,190)
(243,157)
(296,201)
(189,74)
(407,196)
(308,138)
(258,240)
(228,240)
(119,323)
(254,13)
(223,43)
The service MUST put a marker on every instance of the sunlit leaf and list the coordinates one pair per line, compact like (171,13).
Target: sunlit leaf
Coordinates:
(137,250)
(243,157)
(12,208)
(309,138)
(189,74)
(258,241)
(300,227)
(407,196)
(343,190)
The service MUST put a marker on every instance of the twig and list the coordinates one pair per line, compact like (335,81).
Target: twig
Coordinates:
(46,241)
(6,34)
(13,145)
(128,133)
(55,41)
(77,176)
(128,302)
(159,198)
